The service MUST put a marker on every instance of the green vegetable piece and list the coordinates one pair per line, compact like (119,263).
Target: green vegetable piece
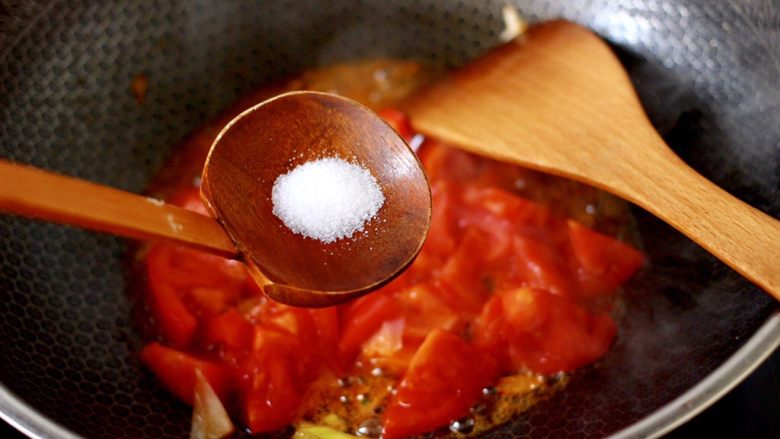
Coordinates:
(310,431)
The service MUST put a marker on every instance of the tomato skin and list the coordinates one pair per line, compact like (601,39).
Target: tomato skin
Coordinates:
(574,338)
(190,200)
(185,268)
(362,318)
(326,335)
(273,379)
(423,311)
(204,283)
(442,237)
(176,371)
(174,322)
(207,302)
(540,266)
(606,262)
(445,378)
(505,207)
(443,163)
(541,331)
(462,274)
(316,328)
(185,284)
(433,157)
(272,400)
(398,120)
(395,342)
(229,329)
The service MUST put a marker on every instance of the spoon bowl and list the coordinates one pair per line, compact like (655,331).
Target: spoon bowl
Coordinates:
(277,135)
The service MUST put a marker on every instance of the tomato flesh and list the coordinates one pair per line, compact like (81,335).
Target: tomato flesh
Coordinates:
(229,329)
(606,263)
(274,378)
(177,371)
(445,378)
(541,331)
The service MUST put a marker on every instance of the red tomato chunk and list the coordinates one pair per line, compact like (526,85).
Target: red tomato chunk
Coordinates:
(501,285)
(444,379)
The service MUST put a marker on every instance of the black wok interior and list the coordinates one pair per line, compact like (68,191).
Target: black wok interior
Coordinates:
(707,72)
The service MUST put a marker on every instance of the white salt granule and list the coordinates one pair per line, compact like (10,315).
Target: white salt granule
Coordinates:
(326,199)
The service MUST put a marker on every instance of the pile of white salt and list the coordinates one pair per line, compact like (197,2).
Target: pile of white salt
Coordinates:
(326,199)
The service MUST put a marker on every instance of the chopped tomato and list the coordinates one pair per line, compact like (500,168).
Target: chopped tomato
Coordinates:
(445,378)
(387,341)
(208,301)
(541,331)
(190,200)
(540,266)
(204,283)
(362,318)
(274,379)
(606,262)
(442,237)
(185,284)
(326,325)
(502,205)
(574,338)
(398,120)
(187,268)
(177,371)
(433,155)
(464,273)
(423,311)
(316,328)
(442,163)
(229,329)
(501,285)
(294,321)
(175,323)
(326,336)
(272,397)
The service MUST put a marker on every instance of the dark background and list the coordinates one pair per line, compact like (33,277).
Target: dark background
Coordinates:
(752,410)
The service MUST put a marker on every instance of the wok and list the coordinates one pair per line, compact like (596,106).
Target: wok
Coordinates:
(707,73)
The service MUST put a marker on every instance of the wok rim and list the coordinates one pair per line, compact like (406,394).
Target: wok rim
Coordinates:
(714,386)
(758,347)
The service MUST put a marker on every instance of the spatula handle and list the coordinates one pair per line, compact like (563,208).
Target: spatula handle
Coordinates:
(40,194)
(743,237)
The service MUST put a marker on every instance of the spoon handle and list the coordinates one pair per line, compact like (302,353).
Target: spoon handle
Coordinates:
(743,237)
(36,193)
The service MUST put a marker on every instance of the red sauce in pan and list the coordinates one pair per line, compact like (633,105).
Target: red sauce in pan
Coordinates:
(515,286)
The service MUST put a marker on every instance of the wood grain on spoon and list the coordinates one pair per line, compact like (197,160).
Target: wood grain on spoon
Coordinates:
(40,194)
(558,100)
(281,133)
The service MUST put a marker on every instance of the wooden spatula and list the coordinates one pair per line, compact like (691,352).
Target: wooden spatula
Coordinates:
(558,100)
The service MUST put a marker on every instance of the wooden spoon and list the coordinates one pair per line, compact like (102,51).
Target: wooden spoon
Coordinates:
(277,135)
(253,149)
(558,100)
(36,193)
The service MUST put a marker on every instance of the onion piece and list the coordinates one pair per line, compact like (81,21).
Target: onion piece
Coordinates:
(310,431)
(209,417)
(514,24)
